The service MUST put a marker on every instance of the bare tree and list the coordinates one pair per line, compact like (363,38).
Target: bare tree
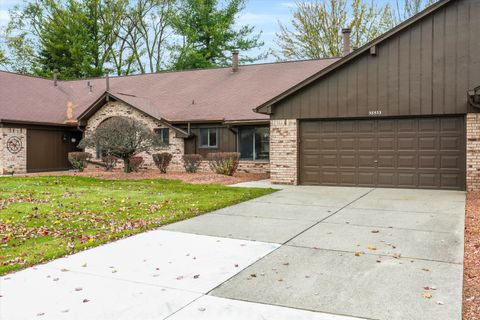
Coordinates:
(316,27)
(151,32)
(408,8)
(122,138)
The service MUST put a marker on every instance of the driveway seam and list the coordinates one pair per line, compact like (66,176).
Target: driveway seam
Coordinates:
(373,254)
(388,228)
(329,216)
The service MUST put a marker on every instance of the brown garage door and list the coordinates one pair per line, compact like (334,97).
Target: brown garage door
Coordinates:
(47,150)
(406,153)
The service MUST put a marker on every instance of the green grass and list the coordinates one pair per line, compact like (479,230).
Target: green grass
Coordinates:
(42,218)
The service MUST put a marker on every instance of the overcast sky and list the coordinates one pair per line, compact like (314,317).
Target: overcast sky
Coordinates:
(263,14)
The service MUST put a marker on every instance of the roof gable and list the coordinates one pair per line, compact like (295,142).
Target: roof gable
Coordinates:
(265,108)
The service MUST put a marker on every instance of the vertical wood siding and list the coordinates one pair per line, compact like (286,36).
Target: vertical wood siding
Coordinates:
(423,70)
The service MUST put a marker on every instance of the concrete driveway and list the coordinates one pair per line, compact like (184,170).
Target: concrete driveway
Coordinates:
(322,253)
(360,252)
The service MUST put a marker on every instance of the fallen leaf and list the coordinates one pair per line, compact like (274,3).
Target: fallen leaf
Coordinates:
(372,248)
(253,275)
(358,253)
(85,300)
(196,276)
(427,295)
(375,231)
(425,269)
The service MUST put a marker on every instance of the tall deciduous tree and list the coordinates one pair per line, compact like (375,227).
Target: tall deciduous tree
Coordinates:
(316,26)
(208,34)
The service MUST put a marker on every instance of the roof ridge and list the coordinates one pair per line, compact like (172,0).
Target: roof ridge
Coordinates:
(26,75)
(172,71)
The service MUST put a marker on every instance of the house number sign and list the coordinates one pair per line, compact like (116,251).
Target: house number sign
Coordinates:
(375,113)
(14,145)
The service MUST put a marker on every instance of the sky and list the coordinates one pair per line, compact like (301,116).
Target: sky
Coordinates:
(263,14)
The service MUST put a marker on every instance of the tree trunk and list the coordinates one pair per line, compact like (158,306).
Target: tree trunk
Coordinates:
(126,165)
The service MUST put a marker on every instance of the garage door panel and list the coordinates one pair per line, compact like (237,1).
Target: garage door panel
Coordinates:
(450,143)
(427,143)
(407,143)
(386,161)
(427,125)
(387,144)
(410,152)
(366,161)
(347,178)
(386,179)
(367,143)
(347,161)
(328,161)
(329,144)
(428,180)
(450,162)
(366,179)
(406,179)
(329,177)
(406,125)
(450,180)
(428,161)
(407,161)
(346,144)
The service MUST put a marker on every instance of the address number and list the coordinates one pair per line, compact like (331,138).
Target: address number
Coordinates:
(375,112)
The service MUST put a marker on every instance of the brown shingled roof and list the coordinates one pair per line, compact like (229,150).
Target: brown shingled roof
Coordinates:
(197,95)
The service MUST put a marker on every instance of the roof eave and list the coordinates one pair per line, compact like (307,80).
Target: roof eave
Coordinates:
(263,107)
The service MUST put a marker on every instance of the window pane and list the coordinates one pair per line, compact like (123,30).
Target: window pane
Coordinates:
(262,143)
(245,143)
(204,137)
(166,136)
(213,137)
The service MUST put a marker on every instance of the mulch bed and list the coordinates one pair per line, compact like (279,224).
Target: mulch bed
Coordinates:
(193,178)
(471,281)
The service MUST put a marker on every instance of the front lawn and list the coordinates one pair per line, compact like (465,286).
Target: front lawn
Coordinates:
(42,218)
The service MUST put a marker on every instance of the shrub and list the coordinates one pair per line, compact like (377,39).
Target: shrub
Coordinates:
(162,161)
(135,162)
(109,162)
(79,160)
(191,162)
(225,163)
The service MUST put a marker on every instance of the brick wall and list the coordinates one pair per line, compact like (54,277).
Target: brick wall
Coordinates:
(283,151)
(473,152)
(13,160)
(118,109)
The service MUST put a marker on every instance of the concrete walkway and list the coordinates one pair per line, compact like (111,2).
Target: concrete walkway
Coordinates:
(301,253)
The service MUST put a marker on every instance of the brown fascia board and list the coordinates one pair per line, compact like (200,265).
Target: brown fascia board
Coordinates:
(264,108)
(34,123)
(107,95)
(246,122)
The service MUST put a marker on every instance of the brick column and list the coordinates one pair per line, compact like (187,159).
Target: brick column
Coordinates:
(283,151)
(473,152)
(13,161)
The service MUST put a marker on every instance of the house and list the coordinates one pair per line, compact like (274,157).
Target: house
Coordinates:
(199,111)
(401,111)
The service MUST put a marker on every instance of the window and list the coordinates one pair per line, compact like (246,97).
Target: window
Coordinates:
(164,134)
(254,143)
(208,138)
